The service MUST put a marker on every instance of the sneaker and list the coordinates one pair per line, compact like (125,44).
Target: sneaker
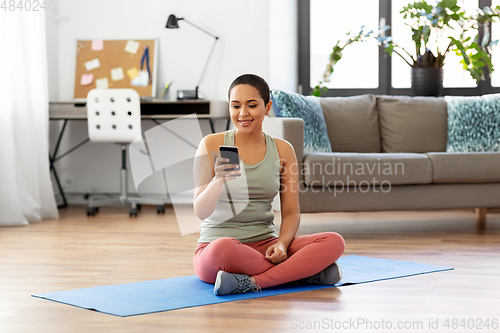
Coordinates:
(329,276)
(228,283)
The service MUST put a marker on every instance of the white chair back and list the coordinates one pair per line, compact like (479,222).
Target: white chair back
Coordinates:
(113,115)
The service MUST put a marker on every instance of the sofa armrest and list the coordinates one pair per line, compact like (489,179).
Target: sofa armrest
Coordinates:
(289,129)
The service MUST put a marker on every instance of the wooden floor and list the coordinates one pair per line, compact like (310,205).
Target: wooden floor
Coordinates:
(111,248)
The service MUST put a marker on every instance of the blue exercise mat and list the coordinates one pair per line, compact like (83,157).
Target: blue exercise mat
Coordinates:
(176,293)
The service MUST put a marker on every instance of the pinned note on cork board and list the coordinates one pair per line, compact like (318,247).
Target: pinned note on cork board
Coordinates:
(128,63)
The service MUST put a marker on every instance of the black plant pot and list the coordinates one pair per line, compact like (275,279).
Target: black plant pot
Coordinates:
(426,81)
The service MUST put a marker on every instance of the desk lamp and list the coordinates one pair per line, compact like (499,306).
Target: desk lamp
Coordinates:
(172,23)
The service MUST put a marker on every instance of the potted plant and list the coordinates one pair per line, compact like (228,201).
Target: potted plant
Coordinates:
(429,24)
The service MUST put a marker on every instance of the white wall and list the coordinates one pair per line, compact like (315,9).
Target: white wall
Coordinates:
(257,36)
(283,45)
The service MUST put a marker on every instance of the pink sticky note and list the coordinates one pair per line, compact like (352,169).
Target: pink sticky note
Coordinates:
(86,79)
(97,45)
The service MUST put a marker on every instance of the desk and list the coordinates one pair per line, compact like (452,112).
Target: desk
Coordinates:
(153,110)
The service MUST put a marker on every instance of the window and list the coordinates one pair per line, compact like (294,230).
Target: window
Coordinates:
(366,69)
(495,59)
(328,25)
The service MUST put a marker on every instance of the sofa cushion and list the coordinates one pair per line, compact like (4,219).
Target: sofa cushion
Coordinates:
(308,109)
(354,169)
(481,167)
(473,123)
(412,124)
(352,123)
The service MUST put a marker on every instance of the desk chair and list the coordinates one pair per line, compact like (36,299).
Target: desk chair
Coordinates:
(114,115)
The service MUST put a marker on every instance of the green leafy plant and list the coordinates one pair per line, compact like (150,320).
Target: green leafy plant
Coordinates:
(428,23)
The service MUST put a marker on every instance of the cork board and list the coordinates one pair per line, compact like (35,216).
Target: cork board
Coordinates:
(112,55)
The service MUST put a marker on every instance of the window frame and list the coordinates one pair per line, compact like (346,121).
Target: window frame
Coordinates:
(385,66)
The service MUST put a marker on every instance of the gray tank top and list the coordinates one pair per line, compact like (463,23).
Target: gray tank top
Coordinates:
(250,219)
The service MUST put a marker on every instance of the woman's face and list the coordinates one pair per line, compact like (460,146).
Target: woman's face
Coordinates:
(247,108)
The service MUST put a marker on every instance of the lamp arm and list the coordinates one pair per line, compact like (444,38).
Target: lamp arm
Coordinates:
(206,65)
(209,56)
(194,25)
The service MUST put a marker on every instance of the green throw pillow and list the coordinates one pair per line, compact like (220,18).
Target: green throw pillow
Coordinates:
(473,123)
(308,108)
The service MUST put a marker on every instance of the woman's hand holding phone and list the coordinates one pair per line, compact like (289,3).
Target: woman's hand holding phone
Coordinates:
(227,165)
(222,173)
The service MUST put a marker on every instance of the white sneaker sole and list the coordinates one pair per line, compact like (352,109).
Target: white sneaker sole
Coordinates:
(217,282)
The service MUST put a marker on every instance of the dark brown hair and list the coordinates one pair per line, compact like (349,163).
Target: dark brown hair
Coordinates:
(255,81)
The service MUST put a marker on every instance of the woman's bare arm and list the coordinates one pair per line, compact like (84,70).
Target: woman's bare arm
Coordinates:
(208,181)
(289,195)
(290,211)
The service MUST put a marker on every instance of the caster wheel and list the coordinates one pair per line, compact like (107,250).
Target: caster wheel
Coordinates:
(160,209)
(86,196)
(96,209)
(139,206)
(91,211)
(133,212)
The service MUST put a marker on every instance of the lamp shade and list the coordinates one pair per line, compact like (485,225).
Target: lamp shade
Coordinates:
(172,22)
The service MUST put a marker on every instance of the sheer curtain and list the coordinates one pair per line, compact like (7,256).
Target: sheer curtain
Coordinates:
(26,193)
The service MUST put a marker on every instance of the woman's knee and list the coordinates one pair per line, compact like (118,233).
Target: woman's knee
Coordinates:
(214,257)
(336,242)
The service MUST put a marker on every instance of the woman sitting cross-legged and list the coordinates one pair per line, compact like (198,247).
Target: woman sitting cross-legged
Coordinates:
(241,251)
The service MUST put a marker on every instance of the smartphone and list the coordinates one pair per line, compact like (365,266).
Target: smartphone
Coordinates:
(231,153)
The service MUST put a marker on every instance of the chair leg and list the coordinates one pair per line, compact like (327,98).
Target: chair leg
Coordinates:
(481,216)
(124,199)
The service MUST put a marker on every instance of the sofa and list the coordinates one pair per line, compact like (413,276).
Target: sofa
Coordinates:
(388,154)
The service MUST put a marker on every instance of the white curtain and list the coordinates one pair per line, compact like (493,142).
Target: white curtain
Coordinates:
(26,193)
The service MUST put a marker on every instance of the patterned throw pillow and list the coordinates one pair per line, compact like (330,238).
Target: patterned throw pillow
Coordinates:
(473,123)
(309,109)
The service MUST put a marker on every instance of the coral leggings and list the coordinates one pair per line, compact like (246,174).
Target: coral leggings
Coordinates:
(307,255)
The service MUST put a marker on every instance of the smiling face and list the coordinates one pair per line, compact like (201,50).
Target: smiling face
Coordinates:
(247,108)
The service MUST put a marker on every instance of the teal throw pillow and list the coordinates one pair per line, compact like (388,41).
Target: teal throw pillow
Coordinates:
(309,109)
(473,123)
